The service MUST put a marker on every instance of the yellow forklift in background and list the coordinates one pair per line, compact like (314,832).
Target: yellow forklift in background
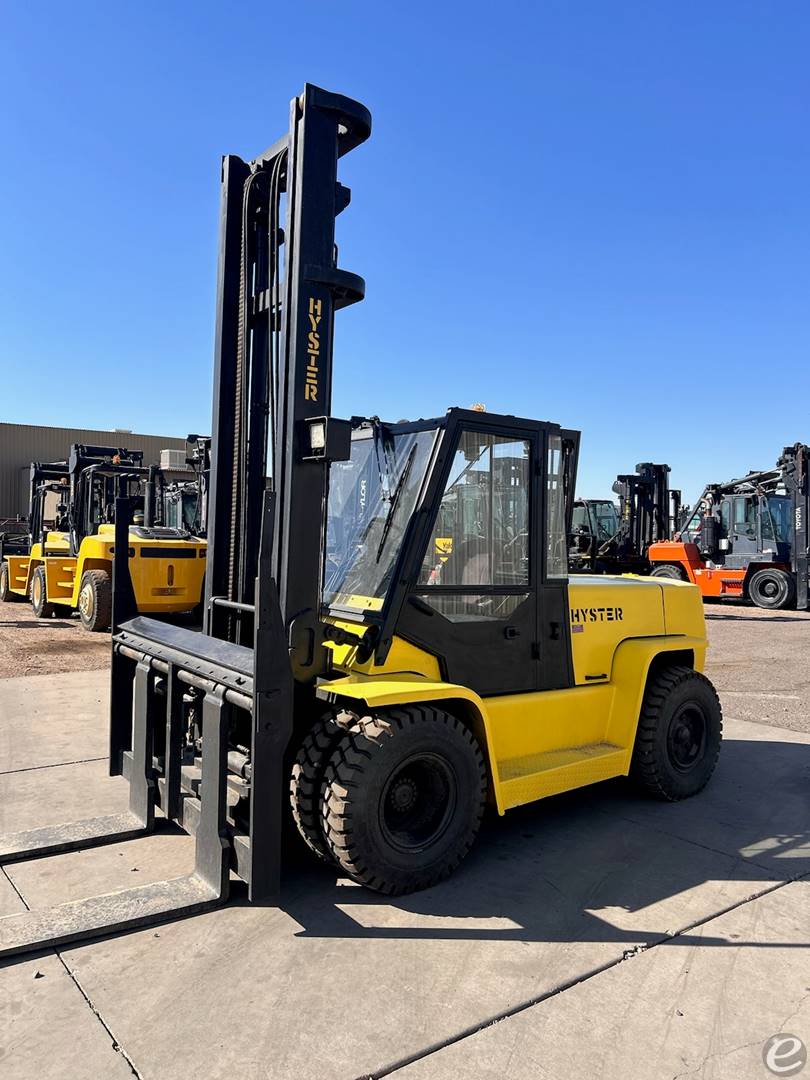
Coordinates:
(69,567)
(45,531)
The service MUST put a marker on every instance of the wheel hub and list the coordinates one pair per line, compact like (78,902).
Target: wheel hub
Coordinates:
(418,802)
(403,794)
(686,740)
(86,602)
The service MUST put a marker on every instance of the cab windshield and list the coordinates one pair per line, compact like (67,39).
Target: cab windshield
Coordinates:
(180,510)
(605,518)
(371,500)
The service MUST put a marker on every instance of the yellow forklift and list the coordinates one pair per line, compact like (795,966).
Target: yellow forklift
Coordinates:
(347,674)
(45,530)
(70,567)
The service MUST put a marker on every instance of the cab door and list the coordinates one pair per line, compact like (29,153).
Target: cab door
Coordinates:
(744,528)
(480,601)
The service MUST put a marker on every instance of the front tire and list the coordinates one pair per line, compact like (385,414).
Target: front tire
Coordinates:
(39,595)
(402,798)
(772,589)
(306,781)
(679,734)
(95,600)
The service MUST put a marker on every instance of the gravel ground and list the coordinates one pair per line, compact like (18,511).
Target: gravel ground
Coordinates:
(758,660)
(30,646)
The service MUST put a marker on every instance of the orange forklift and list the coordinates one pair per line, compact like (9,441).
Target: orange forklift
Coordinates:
(609,539)
(747,539)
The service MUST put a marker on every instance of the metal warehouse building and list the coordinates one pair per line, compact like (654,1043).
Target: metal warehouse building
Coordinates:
(20,444)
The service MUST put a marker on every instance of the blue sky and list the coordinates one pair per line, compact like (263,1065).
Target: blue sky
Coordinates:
(590,212)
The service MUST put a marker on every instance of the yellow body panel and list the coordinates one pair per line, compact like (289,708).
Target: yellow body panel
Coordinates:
(18,566)
(550,741)
(59,579)
(161,584)
(21,567)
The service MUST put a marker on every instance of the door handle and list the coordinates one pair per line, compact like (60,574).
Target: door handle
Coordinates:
(554,631)
(511,632)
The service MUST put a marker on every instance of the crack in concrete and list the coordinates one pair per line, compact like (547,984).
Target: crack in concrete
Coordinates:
(53,765)
(116,1045)
(20,896)
(795,1012)
(627,957)
(719,1054)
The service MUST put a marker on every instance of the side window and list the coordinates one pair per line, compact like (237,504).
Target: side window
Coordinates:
(481,535)
(692,529)
(745,518)
(767,519)
(725,516)
(579,519)
(556,540)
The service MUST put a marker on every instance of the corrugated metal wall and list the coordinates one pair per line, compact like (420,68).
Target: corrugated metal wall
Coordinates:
(20,444)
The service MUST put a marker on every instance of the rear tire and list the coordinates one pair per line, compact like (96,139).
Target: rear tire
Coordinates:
(402,799)
(95,600)
(668,570)
(679,734)
(39,595)
(772,589)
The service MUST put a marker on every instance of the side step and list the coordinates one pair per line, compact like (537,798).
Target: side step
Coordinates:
(534,776)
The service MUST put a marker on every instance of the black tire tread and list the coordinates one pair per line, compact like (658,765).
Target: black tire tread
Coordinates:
(644,768)
(790,590)
(48,610)
(668,571)
(345,771)
(6,595)
(102,587)
(306,780)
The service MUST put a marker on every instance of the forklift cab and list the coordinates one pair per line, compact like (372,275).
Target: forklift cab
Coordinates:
(594,522)
(434,534)
(181,509)
(741,527)
(93,504)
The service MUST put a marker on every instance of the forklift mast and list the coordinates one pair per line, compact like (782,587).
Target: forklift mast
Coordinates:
(273,369)
(793,467)
(648,508)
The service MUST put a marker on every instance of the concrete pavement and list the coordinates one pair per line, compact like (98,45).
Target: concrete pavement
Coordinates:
(583,925)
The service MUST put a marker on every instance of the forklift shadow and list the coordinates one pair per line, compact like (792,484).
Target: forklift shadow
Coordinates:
(36,624)
(603,864)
